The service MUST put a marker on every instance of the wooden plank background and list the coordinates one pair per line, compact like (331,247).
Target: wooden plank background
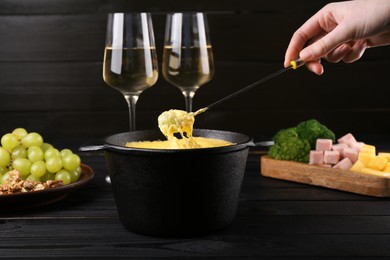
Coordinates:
(51,56)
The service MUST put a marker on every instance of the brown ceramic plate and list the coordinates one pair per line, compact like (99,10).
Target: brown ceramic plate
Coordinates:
(44,197)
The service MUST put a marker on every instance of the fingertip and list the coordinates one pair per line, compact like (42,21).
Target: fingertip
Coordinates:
(286,63)
(315,67)
(320,71)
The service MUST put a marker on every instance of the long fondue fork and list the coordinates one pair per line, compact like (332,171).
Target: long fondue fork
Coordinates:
(293,65)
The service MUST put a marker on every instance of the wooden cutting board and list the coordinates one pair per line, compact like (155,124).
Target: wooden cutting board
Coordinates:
(326,177)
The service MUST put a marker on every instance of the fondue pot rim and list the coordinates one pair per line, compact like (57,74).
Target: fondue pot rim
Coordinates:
(239,140)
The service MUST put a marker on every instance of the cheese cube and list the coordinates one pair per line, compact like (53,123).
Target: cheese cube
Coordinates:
(365,158)
(357,166)
(387,155)
(387,168)
(378,163)
(370,171)
(368,149)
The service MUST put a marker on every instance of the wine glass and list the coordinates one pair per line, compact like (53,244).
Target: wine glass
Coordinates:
(130,59)
(187,57)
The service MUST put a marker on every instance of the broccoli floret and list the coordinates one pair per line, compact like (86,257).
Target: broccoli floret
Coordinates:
(285,133)
(290,148)
(295,143)
(311,130)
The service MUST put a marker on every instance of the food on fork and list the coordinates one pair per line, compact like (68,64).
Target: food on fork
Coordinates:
(181,123)
(176,121)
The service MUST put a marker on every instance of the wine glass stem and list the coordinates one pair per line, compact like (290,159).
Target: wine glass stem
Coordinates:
(131,102)
(188,96)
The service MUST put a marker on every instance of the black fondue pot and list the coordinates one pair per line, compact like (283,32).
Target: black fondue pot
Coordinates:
(181,192)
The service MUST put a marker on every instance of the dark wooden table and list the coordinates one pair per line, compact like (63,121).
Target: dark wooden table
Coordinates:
(275,220)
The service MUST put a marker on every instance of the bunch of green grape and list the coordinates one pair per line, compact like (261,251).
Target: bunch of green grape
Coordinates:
(35,159)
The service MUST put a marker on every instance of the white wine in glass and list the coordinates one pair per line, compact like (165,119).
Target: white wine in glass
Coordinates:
(187,57)
(130,60)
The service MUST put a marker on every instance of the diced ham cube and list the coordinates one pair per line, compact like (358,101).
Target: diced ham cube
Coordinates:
(331,157)
(344,164)
(340,148)
(347,139)
(357,146)
(316,157)
(351,154)
(324,144)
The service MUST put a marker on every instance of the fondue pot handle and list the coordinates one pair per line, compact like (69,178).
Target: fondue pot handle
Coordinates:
(262,144)
(91,148)
(99,147)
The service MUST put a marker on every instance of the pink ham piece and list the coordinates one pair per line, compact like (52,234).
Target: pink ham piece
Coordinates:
(316,157)
(357,146)
(324,144)
(347,139)
(340,148)
(351,154)
(344,164)
(331,157)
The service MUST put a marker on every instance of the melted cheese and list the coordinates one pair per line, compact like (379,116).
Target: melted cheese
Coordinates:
(178,121)
(185,143)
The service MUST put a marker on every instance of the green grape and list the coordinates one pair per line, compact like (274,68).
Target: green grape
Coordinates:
(33,178)
(48,176)
(64,176)
(51,152)
(3,170)
(19,133)
(71,161)
(65,152)
(19,152)
(34,153)
(35,159)
(53,164)
(22,165)
(4,178)
(38,169)
(46,146)
(31,139)
(5,157)
(9,142)
(75,174)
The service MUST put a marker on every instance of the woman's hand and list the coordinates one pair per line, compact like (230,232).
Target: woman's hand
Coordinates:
(340,31)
